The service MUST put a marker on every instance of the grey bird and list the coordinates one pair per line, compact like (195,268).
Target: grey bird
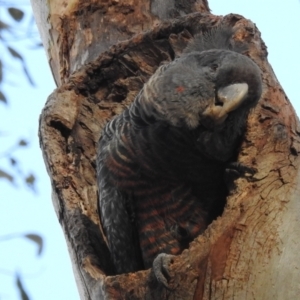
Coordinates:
(161,163)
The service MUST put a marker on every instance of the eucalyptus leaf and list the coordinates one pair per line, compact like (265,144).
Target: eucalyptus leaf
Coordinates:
(1,71)
(23,143)
(3,98)
(23,293)
(16,13)
(3,25)
(30,181)
(36,239)
(14,53)
(28,75)
(17,55)
(13,162)
(7,176)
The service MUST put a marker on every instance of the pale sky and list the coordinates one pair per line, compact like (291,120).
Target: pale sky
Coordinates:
(50,276)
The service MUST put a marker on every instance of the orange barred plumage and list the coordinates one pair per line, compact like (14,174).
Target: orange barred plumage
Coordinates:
(161,163)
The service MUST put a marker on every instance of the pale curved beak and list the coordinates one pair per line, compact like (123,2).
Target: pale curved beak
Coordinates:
(229,99)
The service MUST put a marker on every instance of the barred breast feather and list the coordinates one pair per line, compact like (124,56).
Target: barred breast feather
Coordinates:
(161,163)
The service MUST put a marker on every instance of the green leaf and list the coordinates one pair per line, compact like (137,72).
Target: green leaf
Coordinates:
(7,176)
(30,181)
(3,25)
(1,71)
(3,98)
(23,143)
(14,53)
(36,239)
(23,294)
(28,75)
(13,162)
(17,55)
(16,13)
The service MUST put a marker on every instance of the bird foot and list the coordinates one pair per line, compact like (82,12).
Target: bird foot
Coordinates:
(235,170)
(161,268)
(240,168)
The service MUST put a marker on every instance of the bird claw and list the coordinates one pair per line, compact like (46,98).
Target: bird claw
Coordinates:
(235,170)
(161,268)
(240,169)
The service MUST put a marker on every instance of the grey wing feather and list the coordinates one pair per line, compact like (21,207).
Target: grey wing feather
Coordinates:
(116,220)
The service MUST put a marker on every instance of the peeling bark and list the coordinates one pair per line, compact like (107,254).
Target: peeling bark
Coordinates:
(77,32)
(251,252)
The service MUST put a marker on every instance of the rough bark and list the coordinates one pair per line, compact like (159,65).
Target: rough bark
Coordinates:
(250,252)
(77,32)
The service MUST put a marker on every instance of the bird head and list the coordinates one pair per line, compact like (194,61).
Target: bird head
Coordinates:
(204,89)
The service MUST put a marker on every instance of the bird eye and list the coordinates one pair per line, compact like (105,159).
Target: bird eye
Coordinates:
(214,67)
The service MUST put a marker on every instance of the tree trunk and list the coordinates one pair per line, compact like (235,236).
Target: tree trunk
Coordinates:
(101,53)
